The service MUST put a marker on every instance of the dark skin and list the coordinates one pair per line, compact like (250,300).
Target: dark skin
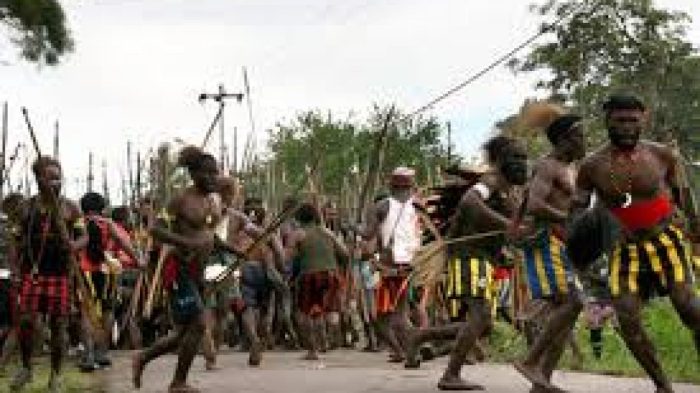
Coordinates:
(474,215)
(315,326)
(391,326)
(49,185)
(241,235)
(195,213)
(652,172)
(551,192)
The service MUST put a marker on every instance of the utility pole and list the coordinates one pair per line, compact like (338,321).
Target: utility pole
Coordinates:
(221,98)
(129,168)
(235,150)
(449,142)
(56,141)
(4,151)
(105,185)
(90,176)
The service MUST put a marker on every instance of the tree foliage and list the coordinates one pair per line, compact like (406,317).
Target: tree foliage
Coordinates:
(39,29)
(606,46)
(343,147)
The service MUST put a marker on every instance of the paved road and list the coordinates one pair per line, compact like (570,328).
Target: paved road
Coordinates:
(349,372)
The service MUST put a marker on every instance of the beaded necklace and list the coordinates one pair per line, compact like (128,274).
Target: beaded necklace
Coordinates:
(625,161)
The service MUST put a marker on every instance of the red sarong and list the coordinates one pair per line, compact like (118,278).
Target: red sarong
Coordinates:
(45,294)
(318,293)
(645,214)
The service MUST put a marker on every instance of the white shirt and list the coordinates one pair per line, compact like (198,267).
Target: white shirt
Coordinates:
(403,224)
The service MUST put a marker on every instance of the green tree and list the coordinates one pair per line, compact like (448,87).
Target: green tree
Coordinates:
(604,46)
(39,29)
(343,148)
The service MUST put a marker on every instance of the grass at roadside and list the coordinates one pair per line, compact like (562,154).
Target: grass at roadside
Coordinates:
(73,380)
(674,345)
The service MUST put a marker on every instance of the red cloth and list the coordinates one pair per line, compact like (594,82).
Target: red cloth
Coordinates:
(318,293)
(645,214)
(502,273)
(172,266)
(390,291)
(45,294)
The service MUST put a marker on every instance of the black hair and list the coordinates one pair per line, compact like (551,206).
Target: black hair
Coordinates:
(500,146)
(623,102)
(93,202)
(561,126)
(193,158)
(307,214)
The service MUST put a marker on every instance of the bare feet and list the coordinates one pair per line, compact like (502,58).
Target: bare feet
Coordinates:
(396,358)
(310,356)
(137,365)
(533,374)
(255,356)
(456,383)
(182,388)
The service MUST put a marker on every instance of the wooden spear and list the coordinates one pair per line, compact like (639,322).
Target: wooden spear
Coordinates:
(85,303)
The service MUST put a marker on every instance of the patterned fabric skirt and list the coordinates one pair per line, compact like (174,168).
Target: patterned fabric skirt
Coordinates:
(467,278)
(318,293)
(651,265)
(390,292)
(45,294)
(548,271)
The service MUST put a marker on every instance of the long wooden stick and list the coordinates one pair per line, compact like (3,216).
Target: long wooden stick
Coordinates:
(374,164)
(86,303)
(155,281)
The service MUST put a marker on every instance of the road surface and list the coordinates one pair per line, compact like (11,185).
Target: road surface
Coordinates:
(348,372)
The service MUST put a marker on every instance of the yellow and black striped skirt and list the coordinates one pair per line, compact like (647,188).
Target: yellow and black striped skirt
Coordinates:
(467,277)
(655,263)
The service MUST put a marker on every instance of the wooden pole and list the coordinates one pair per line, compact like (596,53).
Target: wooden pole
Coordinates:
(56,146)
(90,176)
(4,151)
(374,165)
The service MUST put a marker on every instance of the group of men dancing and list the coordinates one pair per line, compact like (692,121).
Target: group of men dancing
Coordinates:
(302,278)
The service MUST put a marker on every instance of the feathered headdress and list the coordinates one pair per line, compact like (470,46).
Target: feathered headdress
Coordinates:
(547,116)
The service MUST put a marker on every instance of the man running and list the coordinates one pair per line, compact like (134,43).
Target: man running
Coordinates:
(395,223)
(189,227)
(318,254)
(636,181)
(548,272)
(488,205)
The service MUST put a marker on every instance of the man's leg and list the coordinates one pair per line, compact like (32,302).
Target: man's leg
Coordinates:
(208,345)
(160,347)
(687,304)
(628,308)
(479,321)
(557,328)
(250,325)
(418,337)
(385,329)
(57,326)
(187,351)
(25,336)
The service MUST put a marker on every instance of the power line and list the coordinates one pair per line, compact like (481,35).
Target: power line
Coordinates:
(545,29)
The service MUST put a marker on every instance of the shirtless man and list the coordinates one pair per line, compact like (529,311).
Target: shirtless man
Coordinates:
(189,227)
(549,274)
(395,224)
(319,255)
(635,180)
(260,271)
(45,263)
(487,206)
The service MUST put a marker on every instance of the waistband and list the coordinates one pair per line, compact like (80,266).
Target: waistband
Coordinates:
(645,215)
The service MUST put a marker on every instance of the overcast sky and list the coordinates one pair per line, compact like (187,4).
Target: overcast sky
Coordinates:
(139,66)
